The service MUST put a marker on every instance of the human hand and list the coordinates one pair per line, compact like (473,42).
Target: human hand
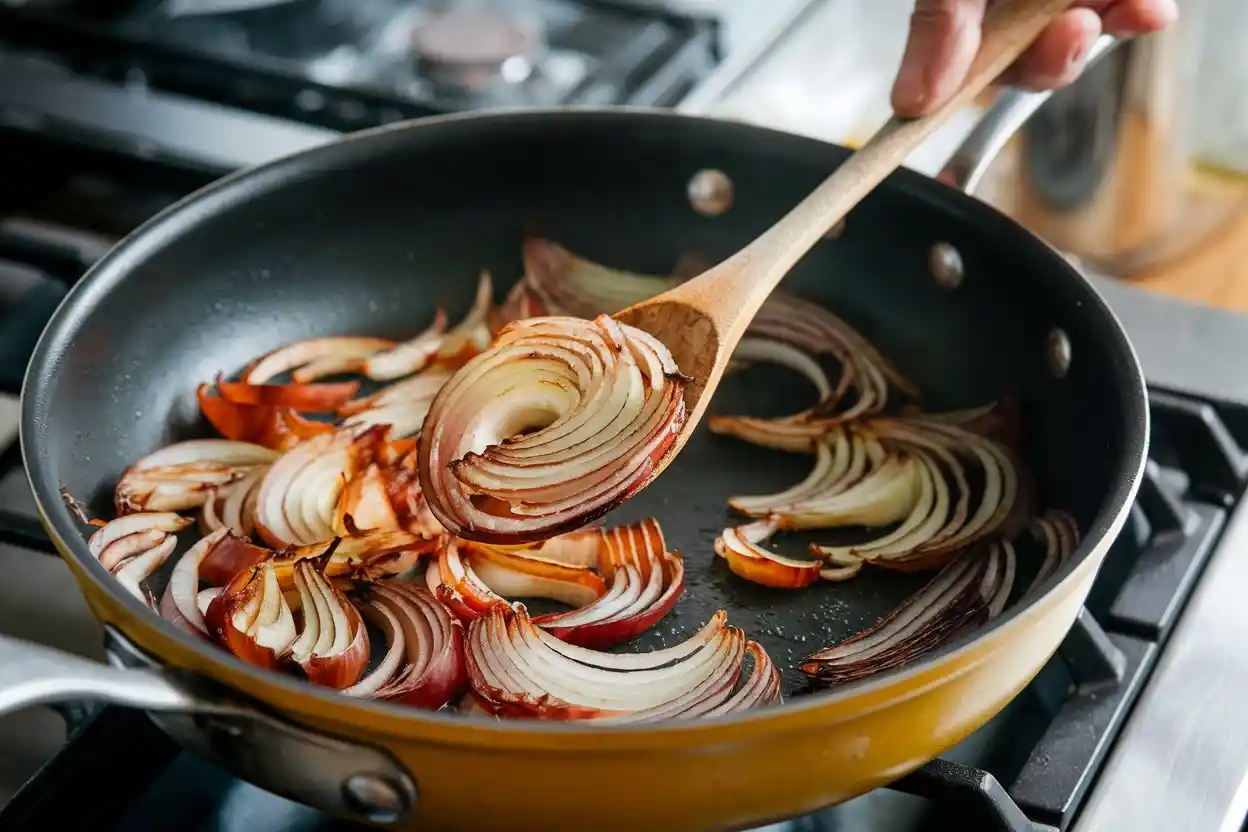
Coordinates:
(944,39)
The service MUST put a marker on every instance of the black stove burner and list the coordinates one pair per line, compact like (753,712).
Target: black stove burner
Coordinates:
(475,48)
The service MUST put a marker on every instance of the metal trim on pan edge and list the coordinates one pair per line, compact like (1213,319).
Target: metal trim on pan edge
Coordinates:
(99,280)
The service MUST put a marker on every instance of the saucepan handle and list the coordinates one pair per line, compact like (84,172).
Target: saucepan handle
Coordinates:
(32,674)
(968,164)
(339,776)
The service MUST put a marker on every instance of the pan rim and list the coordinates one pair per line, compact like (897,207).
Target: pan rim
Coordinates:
(169,223)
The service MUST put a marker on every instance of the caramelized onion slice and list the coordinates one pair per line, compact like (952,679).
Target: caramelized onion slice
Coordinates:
(182,591)
(424,662)
(1058,532)
(409,357)
(233,506)
(251,618)
(296,501)
(472,335)
(570,285)
(315,398)
(517,669)
(272,426)
(364,556)
(969,591)
(453,581)
(181,476)
(511,574)
(740,548)
(315,358)
(332,647)
(559,422)
(770,350)
(402,405)
(646,581)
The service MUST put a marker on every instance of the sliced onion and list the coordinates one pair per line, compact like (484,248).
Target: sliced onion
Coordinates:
(517,669)
(751,349)
(366,502)
(409,357)
(1000,500)
(912,472)
(521,302)
(272,426)
(296,502)
(603,402)
(584,547)
(1058,532)
(229,557)
(513,575)
(251,618)
(233,506)
(646,581)
(364,556)
(315,358)
(454,582)
(134,546)
(182,591)
(472,335)
(424,662)
(402,405)
(332,647)
(182,475)
(966,593)
(570,285)
(316,398)
(113,531)
(746,558)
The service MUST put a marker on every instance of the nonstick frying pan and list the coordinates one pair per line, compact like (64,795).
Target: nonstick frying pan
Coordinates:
(366,236)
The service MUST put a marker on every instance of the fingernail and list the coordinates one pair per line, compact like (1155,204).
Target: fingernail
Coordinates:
(909,91)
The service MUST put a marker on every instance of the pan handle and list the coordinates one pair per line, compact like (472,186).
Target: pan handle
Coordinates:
(968,164)
(338,776)
(32,674)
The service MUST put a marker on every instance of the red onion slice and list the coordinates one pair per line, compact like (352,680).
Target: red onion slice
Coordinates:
(424,663)
(559,422)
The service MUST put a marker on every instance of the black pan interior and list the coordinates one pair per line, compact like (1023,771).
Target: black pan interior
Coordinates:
(368,237)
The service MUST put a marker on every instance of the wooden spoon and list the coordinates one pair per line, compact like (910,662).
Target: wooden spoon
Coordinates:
(702,319)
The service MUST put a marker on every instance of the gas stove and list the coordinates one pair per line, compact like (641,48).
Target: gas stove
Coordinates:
(111,114)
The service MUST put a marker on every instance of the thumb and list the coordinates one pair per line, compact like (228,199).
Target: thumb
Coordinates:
(943,41)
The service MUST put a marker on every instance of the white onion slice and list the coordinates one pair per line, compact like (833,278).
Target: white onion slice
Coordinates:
(315,358)
(409,357)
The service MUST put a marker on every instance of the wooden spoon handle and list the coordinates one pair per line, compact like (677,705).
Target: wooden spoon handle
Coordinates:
(744,281)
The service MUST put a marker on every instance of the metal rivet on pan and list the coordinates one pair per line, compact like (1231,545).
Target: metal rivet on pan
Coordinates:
(710,192)
(836,230)
(375,798)
(946,265)
(1058,352)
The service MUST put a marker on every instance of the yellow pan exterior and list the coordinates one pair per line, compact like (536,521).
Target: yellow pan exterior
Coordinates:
(793,761)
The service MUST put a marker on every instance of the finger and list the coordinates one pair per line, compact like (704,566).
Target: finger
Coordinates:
(1134,17)
(943,40)
(1058,55)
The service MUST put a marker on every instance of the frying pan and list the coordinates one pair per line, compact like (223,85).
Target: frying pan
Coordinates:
(366,236)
